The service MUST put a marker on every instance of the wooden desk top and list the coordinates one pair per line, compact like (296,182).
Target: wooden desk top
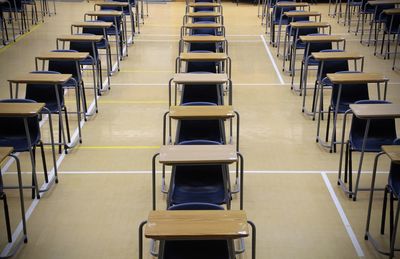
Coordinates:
(376,111)
(309,24)
(104,13)
(81,37)
(20,109)
(203,38)
(322,38)
(197,154)
(112,4)
(301,14)
(193,78)
(72,56)
(201,112)
(203,56)
(29,78)
(4,153)
(394,11)
(203,25)
(196,224)
(203,14)
(393,152)
(292,4)
(345,55)
(357,78)
(382,2)
(204,4)
(93,24)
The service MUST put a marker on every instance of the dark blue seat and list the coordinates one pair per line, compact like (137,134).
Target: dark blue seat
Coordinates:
(211,94)
(199,183)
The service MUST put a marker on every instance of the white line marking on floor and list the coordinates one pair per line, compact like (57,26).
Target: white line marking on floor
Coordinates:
(277,71)
(343,216)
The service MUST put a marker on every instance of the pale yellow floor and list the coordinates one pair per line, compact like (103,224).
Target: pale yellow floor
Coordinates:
(104,189)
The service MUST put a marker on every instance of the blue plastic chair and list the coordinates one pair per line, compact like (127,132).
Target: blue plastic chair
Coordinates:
(381,132)
(393,189)
(47,94)
(12,134)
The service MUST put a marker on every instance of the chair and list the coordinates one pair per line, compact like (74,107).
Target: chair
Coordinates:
(393,189)
(47,94)
(349,94)
(12,134)
(381,132)
(116,31)
(15,7)
(278,18)
(390,27)
(378,19)
(3,20)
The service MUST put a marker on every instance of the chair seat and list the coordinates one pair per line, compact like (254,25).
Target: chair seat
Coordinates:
(20,144)
(372,145)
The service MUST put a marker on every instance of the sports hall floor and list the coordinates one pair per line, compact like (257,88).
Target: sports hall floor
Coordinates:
(105,183)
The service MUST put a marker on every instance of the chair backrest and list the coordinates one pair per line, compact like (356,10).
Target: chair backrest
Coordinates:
(381,131)
(207,94)
(318,46)
(349,93)
(278,12)
(44,93)
(333,66)
(210,130)
(65,67)
(82,46)
(13,128)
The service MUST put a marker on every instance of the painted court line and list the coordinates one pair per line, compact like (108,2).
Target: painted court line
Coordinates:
(343,216)
(278,73)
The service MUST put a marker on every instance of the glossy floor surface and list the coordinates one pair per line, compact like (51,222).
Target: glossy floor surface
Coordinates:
(105,183)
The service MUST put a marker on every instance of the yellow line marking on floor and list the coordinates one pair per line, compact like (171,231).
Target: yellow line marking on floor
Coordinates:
(118,147)
(12,43)
(146,71)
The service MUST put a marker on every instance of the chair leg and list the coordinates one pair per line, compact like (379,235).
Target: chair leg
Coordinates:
(59,135)
(328,123)
(7,216)
(391,209)
(350,171)
(46,177)
(67,123)
(33,178)
(393,236)
(346,162)
(383,220)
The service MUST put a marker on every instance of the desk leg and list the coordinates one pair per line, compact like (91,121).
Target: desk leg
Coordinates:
(253,239)
(141,239)
(34,178)
(371,195)
(154,180)
(61,123)
(241,179)
(361,160)
(333,138)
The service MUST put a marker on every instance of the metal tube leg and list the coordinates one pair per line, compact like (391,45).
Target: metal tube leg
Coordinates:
(34,178)
(361,159)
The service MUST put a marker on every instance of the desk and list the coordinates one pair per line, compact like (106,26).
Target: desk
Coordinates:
(102,26)
(297,26)
(197,225)
(75,57)
(217,15)
(223,58)
(366,112)
(170,155)
(391,14)
(121,41)
(91,39)
(198,79)
(190,26)
(216,6)
(343,80)
(48,79)
(222,112)
(6,152)
(204,39)
(323,57)
(393,152)
(121,6)
(25,111)
(308,40)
